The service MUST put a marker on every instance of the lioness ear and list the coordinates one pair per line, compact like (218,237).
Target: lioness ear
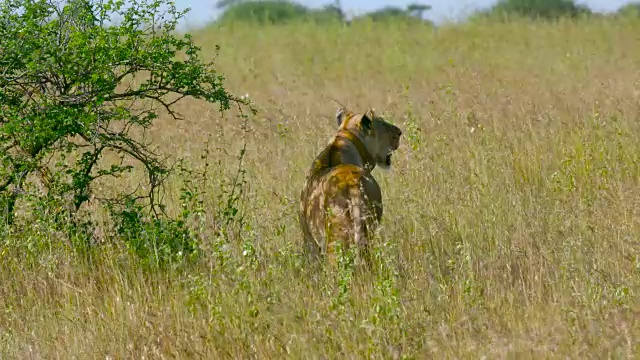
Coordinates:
(371,113)
(366,122)
(342,114)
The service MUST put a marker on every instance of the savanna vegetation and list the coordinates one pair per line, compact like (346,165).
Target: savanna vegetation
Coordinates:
(282,12)
(137,227)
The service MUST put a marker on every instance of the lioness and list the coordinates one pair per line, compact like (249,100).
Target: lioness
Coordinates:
(341,201)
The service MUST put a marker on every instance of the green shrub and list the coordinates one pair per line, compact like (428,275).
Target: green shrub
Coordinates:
(69,77)
(629,10)
(539,9)
(264,12)
(412,14)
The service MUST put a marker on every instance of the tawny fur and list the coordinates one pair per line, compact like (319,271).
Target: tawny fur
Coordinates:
(341,201)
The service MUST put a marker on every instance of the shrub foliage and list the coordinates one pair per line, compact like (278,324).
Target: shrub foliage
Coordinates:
(83,79)
(539,9)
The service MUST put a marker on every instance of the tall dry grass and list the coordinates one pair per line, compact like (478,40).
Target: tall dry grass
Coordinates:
(511,225)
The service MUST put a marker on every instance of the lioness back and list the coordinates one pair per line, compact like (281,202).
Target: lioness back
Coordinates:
(341,201)
(332,204)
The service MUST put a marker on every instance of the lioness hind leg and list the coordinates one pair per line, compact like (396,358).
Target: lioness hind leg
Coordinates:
(311,249)
(359,213)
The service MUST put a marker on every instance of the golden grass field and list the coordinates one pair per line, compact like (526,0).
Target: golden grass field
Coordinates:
(512,213)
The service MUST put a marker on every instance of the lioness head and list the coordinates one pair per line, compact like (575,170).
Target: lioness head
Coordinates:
(379,136)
